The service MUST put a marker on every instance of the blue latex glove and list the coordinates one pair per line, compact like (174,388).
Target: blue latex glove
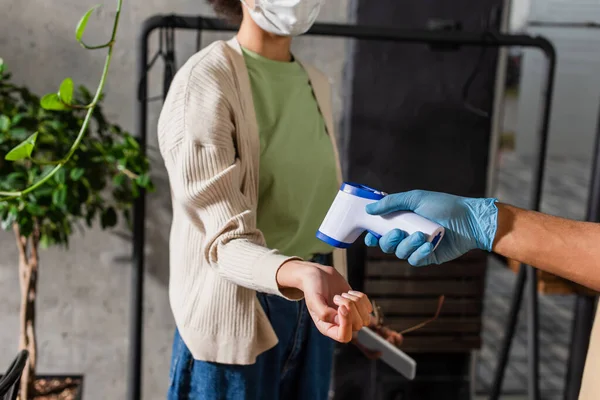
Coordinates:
(470,224)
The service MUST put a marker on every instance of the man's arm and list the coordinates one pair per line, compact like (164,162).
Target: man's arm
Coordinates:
(563,247)
(560,246)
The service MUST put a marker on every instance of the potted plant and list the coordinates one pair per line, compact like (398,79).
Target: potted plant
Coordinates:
(100,181)
(63,165)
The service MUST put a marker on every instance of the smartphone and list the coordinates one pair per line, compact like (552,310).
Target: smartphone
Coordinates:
(390,354)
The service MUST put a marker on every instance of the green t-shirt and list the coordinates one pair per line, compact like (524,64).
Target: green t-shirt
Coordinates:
(298,179)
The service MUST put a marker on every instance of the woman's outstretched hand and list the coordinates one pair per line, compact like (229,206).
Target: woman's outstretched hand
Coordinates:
(335,308)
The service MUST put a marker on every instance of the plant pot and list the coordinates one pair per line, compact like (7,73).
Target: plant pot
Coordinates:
(48,382)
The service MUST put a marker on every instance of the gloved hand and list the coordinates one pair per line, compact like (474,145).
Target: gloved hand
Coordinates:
(470,224)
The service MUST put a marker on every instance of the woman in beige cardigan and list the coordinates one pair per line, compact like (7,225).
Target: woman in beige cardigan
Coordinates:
(247,137)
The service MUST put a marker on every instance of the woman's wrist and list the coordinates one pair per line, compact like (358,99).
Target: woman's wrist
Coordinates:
(291,274)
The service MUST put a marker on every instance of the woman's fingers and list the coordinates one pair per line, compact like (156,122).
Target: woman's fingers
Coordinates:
(357,321)
(364,300)
(354,312)
(363,315)
(344,329)
(363,305)
(335,324)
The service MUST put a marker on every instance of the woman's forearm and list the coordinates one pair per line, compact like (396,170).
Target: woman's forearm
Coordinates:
(567,248)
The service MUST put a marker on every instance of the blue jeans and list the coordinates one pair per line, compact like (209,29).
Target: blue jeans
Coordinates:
(298,367)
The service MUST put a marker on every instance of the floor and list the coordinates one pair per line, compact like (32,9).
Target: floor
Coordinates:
(565,194)
(555,323)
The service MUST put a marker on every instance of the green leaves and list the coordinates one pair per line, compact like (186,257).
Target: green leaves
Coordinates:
(77,173)
(60,177)
(52,102)
(119,179)
(99,178)
(88,186)
(15,178)
(17,119)
(45,241)
(65,93)
(83,23)
(143,180)
(10,217)
(19,133)
(35,209)
(132,142)
(23,150)
(4,123)
(59,101)
(59,197)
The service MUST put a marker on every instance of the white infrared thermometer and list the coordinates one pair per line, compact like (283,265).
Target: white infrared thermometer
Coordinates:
(347,219)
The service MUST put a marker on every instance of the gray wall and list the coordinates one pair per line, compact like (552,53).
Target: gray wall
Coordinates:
(576,98)
(83,307)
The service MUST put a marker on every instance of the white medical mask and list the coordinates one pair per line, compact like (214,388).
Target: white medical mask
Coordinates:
(285,17)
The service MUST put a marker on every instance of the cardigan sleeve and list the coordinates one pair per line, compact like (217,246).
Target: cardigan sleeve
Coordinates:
(206,177)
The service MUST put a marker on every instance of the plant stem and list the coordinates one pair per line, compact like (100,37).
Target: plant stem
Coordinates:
(128,173)
(28,276)
(92,106)
(79,106)
(101,46)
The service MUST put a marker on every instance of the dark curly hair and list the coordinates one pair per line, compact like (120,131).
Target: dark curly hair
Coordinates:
(231,10)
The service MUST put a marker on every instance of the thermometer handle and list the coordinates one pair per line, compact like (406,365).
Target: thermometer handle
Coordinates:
(408,222)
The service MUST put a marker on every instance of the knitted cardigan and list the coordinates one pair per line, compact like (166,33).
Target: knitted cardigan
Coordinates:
(209,141)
